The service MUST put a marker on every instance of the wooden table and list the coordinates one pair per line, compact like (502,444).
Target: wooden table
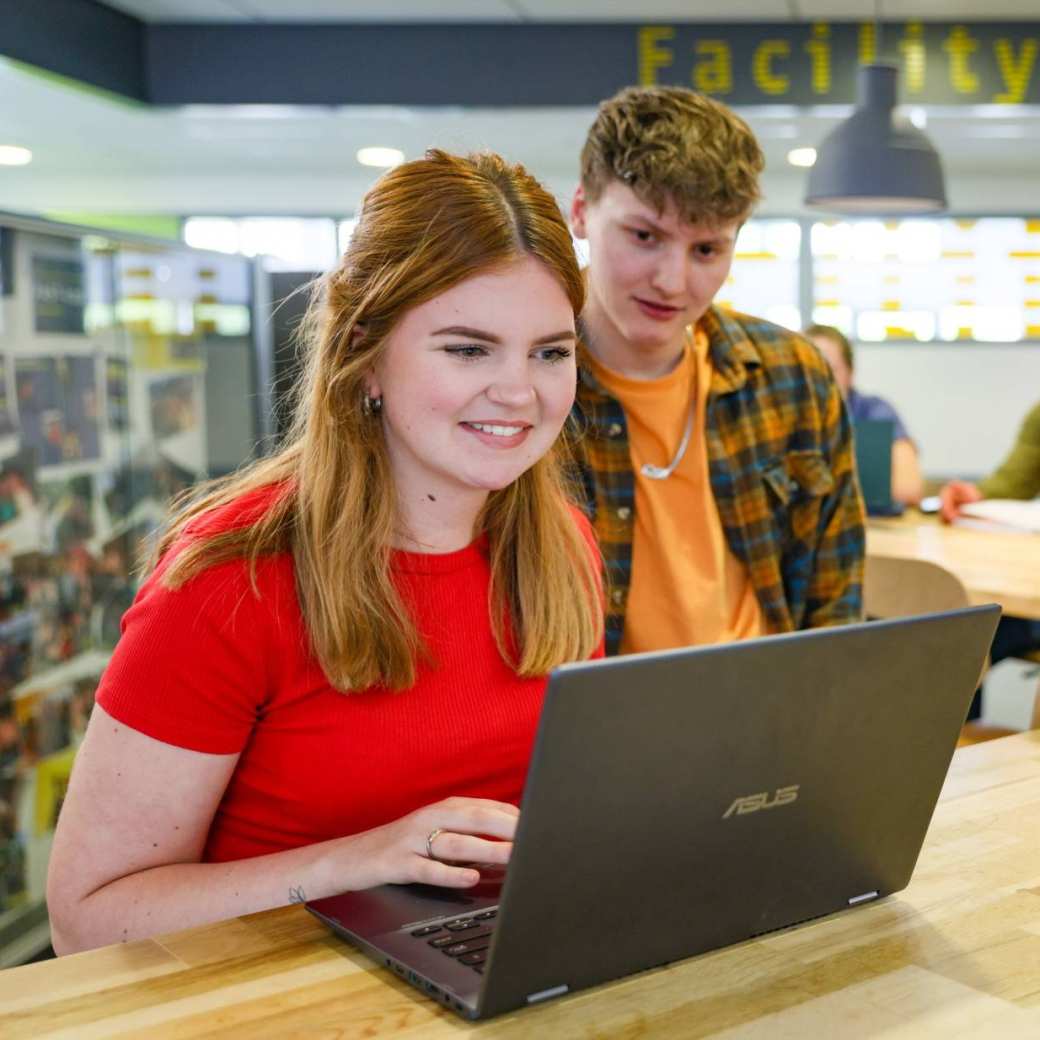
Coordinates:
(995,567)
(957,954)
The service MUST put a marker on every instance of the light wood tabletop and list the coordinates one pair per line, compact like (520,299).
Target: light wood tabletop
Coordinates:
(957,954)
(995,567)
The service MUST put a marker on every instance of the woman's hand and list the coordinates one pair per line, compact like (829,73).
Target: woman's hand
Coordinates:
(396,852)
(955,494)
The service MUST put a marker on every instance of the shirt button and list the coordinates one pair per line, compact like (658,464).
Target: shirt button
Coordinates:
(618,597)
(614,429)
(624,513)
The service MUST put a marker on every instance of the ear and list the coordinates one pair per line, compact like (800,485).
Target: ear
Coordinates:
(579,205)
(371,384)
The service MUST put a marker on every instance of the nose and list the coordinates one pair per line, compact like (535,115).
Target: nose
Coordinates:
(512,387)
(669,275)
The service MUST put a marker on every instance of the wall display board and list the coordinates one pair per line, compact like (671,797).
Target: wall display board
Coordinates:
(58,294)
(938,279)
(764,278)
(104,377)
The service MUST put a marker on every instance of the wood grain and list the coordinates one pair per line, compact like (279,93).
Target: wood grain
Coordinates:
(994,567)
(956,955)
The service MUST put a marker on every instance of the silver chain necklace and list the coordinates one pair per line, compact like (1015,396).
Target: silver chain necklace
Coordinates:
(648,469)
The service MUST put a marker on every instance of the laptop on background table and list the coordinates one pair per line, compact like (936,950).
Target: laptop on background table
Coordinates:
(873,445)
(680,801)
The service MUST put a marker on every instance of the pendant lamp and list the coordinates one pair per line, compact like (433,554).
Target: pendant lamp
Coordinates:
(876,161)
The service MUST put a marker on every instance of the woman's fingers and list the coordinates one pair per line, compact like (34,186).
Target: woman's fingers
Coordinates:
(472,816)
(464,848)
(434,872)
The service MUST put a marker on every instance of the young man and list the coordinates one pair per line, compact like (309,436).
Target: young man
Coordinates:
(717,451)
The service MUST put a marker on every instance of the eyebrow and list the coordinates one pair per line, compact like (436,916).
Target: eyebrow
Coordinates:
(490,337)
(715,237)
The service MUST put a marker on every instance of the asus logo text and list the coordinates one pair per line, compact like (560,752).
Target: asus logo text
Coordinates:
(753,802)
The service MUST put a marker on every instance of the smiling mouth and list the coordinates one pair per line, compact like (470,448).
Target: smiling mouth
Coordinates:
(662,308)
(498,429)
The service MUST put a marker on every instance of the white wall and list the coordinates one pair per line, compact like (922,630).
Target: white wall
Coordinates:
(962,402)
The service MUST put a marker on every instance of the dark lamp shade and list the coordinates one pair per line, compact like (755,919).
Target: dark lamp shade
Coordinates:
(876,161)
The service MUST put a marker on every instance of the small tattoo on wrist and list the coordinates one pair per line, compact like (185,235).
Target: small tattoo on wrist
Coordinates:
(296,895)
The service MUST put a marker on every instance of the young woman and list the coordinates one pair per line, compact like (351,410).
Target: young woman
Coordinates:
(333,676)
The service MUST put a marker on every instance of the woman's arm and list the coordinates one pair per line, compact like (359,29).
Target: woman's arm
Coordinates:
(907,485)
(125,863)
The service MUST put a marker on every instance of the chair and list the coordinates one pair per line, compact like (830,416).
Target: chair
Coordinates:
(896,587)
(1034,657)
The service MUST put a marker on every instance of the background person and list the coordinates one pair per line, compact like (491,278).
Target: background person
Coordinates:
(907,484)
(1018,476)
(718,453)
(333,677)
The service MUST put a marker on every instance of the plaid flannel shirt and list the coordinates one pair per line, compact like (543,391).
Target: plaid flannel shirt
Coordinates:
(782,471)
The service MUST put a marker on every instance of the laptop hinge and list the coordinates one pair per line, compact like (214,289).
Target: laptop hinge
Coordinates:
(863,898)
(547,994)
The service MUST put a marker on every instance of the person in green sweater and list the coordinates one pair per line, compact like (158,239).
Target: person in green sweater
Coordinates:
(1018,476)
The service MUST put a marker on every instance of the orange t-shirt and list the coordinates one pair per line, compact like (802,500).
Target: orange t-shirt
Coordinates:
(687,587)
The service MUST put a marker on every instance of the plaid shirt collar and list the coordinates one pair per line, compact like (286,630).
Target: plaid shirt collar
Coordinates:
(732,353)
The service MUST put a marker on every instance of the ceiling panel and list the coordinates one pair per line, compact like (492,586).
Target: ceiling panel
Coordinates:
(181,10)
(656,11)
(387,11)
(923,10)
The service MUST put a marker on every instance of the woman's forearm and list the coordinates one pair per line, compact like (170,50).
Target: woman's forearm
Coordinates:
(184,895)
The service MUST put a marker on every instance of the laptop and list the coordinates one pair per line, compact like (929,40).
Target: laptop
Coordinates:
(873,442)
(680,801)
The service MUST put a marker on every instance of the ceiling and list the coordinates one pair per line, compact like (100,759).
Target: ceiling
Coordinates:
(93,153)
(562,10)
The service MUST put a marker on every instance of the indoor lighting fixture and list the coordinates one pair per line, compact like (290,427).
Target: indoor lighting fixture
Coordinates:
(876,161)
(14,155)
(801,156)
(384,157)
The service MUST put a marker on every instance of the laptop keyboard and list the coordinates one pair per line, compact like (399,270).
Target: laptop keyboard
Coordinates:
(465,938)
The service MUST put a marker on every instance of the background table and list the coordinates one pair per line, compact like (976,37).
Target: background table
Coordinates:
(957,954)
(995,567)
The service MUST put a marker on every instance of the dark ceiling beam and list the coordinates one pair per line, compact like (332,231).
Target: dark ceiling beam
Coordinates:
(80,39)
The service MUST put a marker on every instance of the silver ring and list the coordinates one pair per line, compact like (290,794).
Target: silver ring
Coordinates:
(429,841)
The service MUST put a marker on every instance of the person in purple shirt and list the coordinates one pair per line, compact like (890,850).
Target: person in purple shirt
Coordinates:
(907,486)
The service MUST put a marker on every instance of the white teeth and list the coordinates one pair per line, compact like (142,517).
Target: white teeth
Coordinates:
(497,431)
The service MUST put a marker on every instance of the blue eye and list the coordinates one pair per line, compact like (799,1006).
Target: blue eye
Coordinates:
(467,351)
(554,354)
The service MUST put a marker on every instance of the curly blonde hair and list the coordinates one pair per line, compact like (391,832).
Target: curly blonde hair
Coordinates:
(672,144)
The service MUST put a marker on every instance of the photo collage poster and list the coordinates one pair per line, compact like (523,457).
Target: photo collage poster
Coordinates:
(101,425)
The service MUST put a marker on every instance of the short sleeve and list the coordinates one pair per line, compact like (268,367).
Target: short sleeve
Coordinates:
(877,408)
(899,430)
(190,667)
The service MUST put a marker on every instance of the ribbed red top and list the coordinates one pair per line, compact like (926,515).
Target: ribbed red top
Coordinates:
(212,668)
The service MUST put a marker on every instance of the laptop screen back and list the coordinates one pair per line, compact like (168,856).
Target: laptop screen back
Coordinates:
(873,438)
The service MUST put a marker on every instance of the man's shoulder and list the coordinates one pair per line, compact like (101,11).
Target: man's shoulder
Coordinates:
(866,407)
(770,344)
(1031,425)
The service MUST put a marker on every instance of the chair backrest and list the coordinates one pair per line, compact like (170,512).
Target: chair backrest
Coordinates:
(897,587)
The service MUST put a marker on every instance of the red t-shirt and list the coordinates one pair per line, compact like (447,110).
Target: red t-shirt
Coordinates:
(213,668)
